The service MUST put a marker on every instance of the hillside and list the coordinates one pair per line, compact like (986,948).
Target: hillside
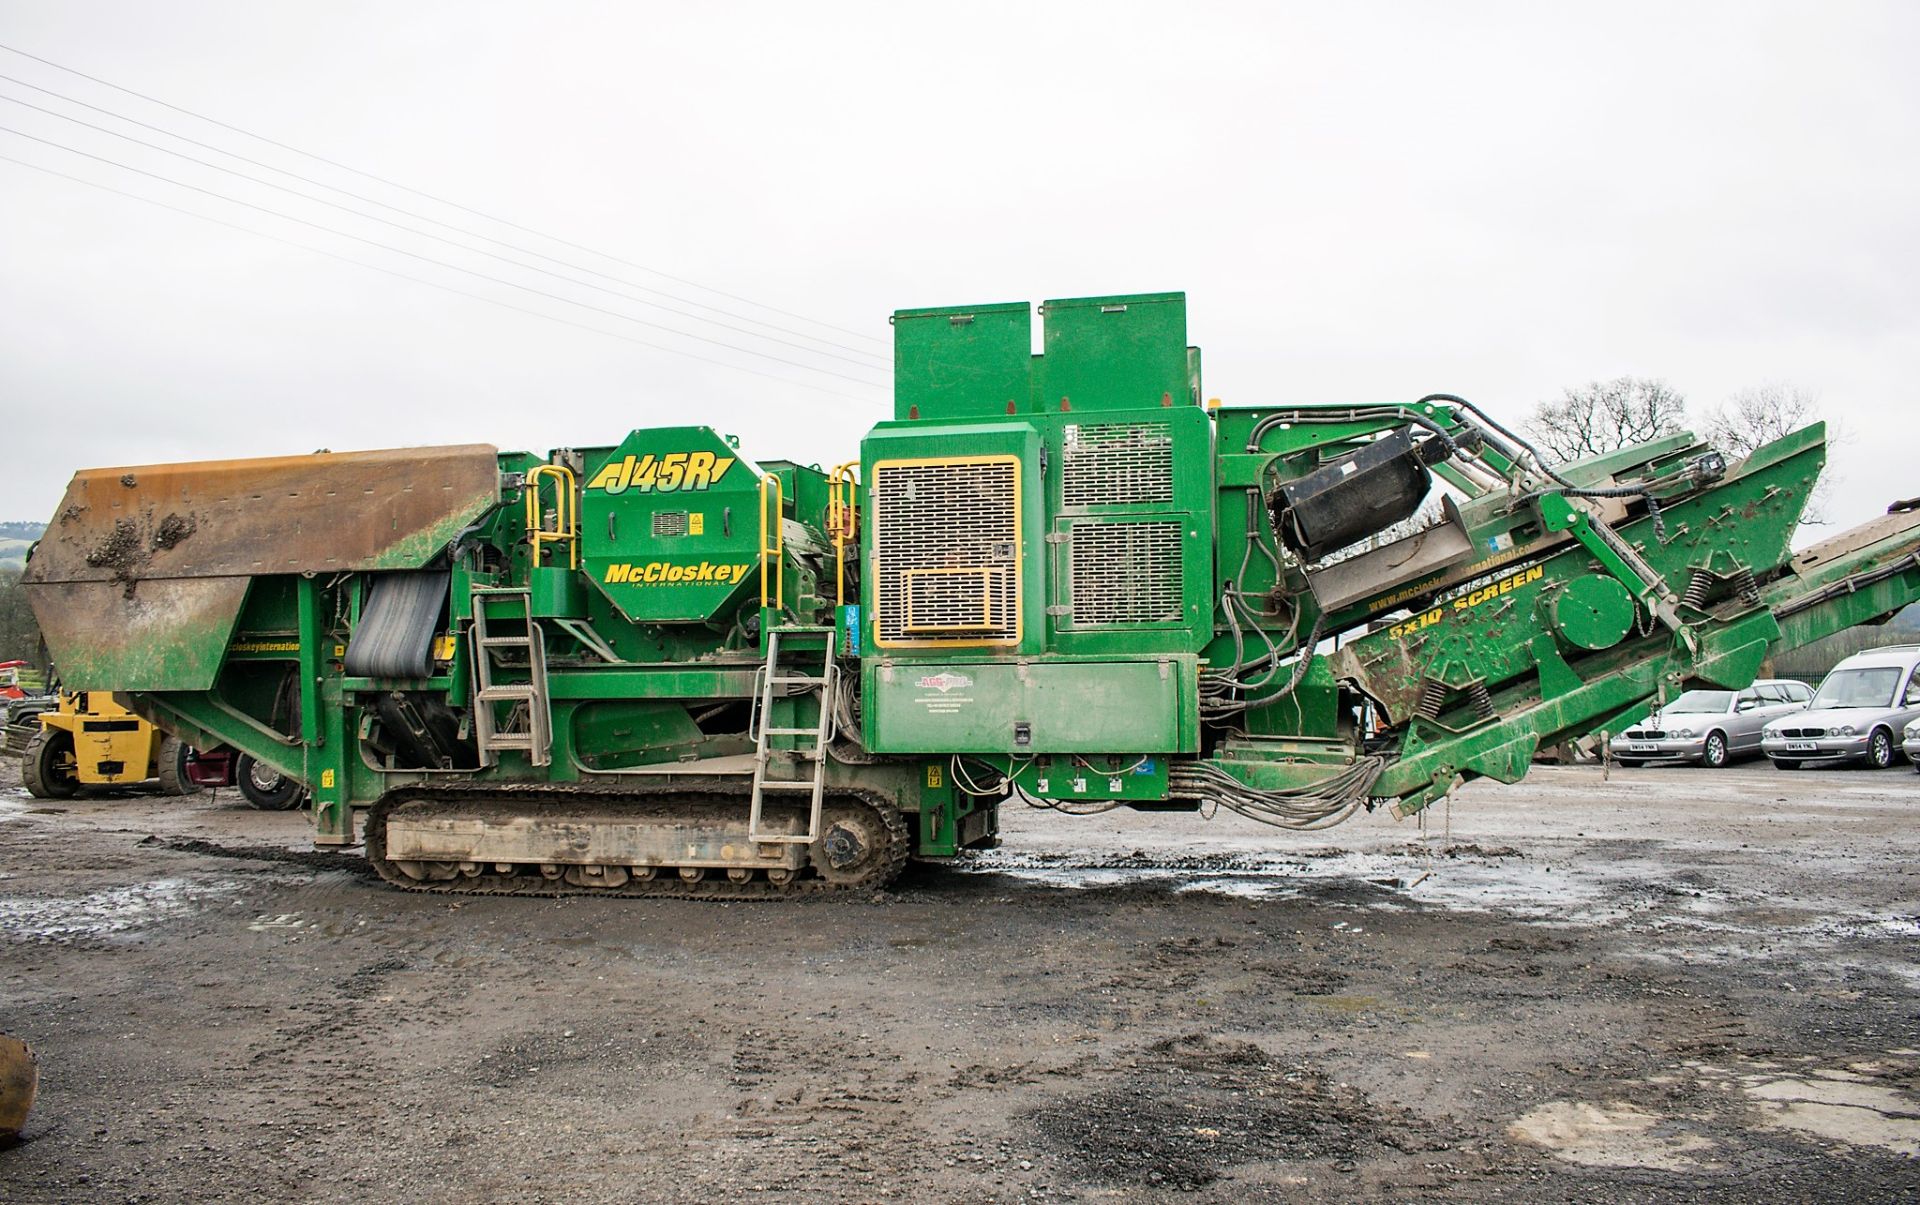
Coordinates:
(14,539)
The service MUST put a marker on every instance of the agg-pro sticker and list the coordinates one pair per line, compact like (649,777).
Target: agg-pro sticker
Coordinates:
(938,695)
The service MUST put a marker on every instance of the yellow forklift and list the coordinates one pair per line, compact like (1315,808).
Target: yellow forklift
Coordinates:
(88,740)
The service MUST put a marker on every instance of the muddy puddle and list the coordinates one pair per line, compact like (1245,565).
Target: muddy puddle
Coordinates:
(107,913)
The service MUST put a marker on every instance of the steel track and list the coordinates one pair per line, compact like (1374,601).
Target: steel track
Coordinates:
(666,884)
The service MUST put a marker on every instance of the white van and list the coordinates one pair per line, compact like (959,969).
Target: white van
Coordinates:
(1859,713)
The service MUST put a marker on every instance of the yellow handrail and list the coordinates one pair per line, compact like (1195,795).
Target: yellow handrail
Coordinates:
(843,521)
(777,548)
(566,514)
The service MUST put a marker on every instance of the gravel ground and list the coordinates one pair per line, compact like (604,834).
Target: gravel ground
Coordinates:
(1674,985)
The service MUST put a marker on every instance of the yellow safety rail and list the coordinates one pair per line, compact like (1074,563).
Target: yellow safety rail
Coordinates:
(843,521)
(772,549)
(566,514)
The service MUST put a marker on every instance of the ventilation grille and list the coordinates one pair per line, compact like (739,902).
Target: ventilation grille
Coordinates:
(1126,573)
(947,551)
(669,523)
(1112,464)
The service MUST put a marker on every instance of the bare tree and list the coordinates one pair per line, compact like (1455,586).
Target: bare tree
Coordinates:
(1605,416)
(1761,414)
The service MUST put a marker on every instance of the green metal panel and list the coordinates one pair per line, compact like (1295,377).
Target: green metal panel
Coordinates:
(1121,455)
(1139,778)
(913,442)
(620,733)
(557,592)
(1037,707)
(1311,709)
(1101,353)
(668,681)
(961,361)
(939,810)
(1116,353)
(173,641)
(669,525)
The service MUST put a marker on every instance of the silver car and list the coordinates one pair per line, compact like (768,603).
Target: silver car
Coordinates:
(1711,727)
(1858,714)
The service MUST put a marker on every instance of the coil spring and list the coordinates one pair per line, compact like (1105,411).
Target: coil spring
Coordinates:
(1697,587)
(1433,696)
(1482,700)
(1745,586)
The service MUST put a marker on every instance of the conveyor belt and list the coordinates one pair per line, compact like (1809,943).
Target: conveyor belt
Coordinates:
(395,636)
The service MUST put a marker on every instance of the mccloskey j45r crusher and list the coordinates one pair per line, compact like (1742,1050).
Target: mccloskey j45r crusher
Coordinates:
(658,667)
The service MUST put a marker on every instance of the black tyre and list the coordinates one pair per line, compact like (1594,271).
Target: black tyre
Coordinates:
(1880,749)
(48,768)
(264,787)
(173,768)
(1628,763)
(1713,754)
(1785,763)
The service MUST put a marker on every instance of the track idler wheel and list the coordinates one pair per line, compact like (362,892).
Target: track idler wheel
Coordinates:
(853,844)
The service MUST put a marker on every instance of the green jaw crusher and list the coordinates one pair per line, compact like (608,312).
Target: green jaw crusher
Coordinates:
(661,667)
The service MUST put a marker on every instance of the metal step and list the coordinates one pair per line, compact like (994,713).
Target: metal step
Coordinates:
(505,641)
(802,681)
(791,731)
(782,784)
(498,694)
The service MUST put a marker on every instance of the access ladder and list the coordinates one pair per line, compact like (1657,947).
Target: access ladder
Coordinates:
(529,726)
(773,676)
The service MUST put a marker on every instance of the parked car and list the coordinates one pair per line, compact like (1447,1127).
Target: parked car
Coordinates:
(1910,744)
(1859,712)
(1711,727)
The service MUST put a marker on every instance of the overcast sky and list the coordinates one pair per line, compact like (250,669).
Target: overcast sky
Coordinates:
(1362,202)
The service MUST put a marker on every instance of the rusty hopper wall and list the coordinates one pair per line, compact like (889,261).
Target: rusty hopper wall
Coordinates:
(141,575)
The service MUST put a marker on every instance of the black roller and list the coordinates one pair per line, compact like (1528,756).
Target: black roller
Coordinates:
(395,636)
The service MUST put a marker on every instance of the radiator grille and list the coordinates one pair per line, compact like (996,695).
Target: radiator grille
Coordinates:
(1112,464)
(947,551)
(1126,573)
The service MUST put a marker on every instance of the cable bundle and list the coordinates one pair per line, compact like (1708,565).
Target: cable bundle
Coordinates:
(1321,805)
